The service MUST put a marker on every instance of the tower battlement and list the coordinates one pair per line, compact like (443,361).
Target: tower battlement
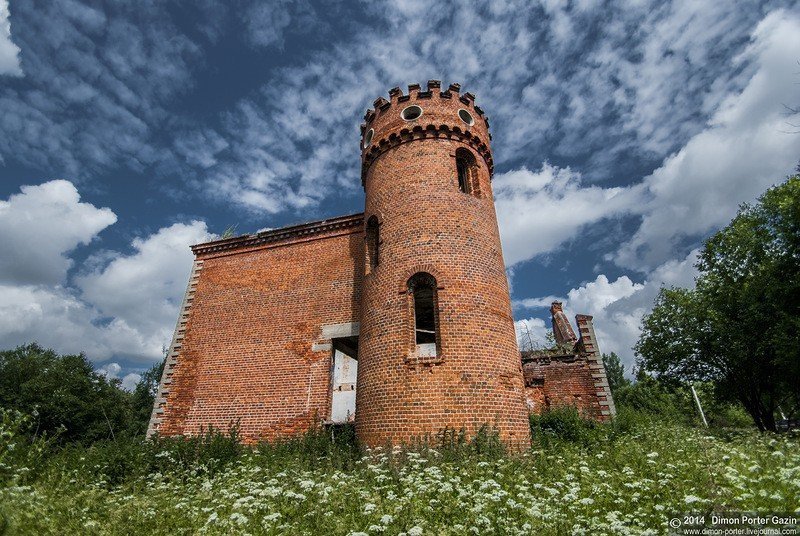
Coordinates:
(430,114)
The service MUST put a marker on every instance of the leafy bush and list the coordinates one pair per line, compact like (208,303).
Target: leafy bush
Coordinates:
(111,462)
(21,450)
(564,423)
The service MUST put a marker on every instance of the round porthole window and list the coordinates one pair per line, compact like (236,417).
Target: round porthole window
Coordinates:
(411,113)
(466,117)
(368,138)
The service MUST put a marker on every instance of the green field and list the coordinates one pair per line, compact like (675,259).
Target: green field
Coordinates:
(625,478)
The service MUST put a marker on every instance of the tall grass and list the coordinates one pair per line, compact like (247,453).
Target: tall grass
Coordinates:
(578,477)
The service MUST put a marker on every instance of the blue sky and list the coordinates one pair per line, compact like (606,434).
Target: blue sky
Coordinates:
(623,135)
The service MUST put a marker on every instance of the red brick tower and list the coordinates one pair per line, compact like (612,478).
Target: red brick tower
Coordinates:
(437,345)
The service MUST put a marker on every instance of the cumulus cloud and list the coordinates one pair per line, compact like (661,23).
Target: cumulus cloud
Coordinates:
(9,52)
(41,226)
(743,150)
(538,211)
(143,290)
(531,332)
(56,318)
(119,305)
(112,372)
(618,306)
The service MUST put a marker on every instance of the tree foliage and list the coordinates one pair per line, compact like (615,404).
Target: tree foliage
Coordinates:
(144,395)
(615,372)
(740,326)
(69,399)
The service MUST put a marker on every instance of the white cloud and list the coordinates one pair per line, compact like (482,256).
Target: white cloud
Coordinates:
(618,306)
(531,332)
(142,291)
(97,80)
(600,293)
(41,226)
(119,305)
(55,318)
(538,211)
(9,52)
(743,151)
(267,24)
(112,372)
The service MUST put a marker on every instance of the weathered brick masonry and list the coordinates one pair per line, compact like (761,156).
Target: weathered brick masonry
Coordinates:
(415,289)
(570,374)
(254,351)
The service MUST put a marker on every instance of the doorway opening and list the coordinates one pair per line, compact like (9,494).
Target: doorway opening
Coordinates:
(344,371)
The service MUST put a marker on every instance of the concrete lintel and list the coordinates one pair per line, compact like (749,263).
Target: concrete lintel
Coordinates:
(321,347)
(345,329)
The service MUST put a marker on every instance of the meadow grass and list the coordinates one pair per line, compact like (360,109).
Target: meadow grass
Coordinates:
(577,478)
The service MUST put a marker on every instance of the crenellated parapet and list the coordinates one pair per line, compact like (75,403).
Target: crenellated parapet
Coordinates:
(430,114)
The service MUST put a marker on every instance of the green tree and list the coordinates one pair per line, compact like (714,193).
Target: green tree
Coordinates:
(739,328)
(615,372)
(143,397)
(64,393)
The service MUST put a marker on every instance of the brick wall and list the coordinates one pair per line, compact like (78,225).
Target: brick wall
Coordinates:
(561,381)
(253,349)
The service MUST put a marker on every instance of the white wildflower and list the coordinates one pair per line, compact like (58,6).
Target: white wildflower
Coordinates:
(241,519)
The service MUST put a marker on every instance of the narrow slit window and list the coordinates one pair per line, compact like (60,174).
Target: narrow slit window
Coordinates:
(467,170)
(373,242)
(463,175)
(423,287)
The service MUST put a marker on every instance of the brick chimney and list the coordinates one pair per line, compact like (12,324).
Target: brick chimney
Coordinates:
(562,330)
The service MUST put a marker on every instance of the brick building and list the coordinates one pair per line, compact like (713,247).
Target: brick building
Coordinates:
(398,318)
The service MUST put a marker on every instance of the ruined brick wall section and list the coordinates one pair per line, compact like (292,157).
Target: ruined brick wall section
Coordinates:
(256,349)
(427,224)
(562,382)
(174,350)
(588,343)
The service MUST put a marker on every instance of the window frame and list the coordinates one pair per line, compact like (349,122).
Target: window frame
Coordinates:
(467,172)
(423,352)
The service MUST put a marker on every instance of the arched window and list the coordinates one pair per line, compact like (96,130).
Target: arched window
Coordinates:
(373,240)
(423,288)
(467,170)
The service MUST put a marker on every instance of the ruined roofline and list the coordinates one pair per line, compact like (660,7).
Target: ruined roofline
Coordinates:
(278,235)
(553,354)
